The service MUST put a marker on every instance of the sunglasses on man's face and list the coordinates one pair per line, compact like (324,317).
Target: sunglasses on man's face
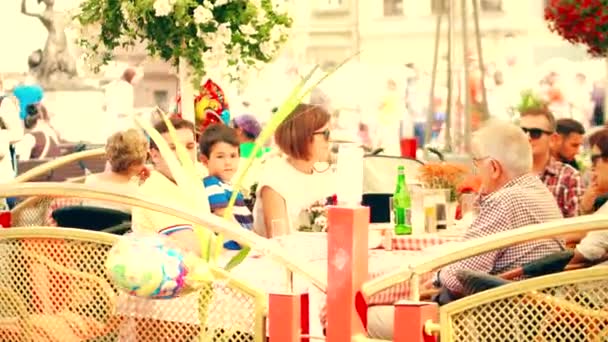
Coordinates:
(535,133)
(325,133)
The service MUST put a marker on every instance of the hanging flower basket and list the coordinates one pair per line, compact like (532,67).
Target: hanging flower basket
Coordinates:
(230,36)
(580,22)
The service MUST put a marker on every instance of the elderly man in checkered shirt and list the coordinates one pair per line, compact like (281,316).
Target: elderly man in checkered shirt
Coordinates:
(512,197)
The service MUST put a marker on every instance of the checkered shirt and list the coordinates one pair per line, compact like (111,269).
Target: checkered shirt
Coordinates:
(564,182)
(521,202)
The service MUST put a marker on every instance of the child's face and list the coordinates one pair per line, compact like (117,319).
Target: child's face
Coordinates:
(223,161)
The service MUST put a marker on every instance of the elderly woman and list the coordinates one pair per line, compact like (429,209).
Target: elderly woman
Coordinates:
(290,184)
(126,152)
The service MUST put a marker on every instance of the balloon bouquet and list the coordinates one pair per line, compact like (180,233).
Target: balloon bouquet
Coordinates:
(210,106)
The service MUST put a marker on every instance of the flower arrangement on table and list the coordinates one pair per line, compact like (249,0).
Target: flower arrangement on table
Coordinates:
(580,22)
(442,176)
(230,36)
(314,218)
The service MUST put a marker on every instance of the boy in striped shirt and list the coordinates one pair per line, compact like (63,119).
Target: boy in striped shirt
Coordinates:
(219,148)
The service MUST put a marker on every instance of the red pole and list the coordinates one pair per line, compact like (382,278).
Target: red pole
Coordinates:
(410,319)
(346,272)
(284,317)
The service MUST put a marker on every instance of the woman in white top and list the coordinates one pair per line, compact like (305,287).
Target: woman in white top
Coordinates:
(290,184)
(126,153)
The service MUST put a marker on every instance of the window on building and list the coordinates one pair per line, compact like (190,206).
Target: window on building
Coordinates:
(440,6)
(329,4)
(393,8)
(161,99)
(491,5)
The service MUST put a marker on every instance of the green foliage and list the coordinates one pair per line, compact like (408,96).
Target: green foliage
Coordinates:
(530,101)
(174,29)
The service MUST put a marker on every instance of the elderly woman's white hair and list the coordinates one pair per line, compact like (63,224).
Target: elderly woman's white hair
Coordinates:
(507,144)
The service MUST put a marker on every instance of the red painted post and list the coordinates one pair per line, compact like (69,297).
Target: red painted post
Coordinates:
(346,272)
(410,318)
(305,316)
(284,317)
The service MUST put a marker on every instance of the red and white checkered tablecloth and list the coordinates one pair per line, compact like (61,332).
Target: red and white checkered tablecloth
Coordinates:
(416,242)
(420,242)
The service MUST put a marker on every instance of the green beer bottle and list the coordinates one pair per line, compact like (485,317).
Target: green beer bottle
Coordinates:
(402,204)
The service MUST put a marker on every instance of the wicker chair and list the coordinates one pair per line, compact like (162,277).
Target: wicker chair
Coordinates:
(225,310)
(34,211)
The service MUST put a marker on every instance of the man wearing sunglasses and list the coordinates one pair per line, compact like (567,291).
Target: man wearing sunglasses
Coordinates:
(563,180)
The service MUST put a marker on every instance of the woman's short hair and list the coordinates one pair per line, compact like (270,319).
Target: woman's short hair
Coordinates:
(294,135)
(125,149)
(600,139)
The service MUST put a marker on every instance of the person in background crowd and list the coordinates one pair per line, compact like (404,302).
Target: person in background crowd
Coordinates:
(390,115)
(594,246)
(27,94)
(568,141)
(247,130)
(37,143)
(11,131)
(120,101)
(563,180)
(596,196)
(597,97)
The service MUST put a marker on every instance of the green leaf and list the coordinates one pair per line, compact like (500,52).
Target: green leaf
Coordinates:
(238,258)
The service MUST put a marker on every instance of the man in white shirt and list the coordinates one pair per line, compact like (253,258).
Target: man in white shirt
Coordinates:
(120,99)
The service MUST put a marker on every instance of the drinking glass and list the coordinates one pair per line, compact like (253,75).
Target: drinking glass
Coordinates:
(430,210)
(468,203)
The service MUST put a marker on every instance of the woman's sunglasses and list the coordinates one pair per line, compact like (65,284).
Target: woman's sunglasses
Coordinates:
(595,158)
(326,133)
(535,133)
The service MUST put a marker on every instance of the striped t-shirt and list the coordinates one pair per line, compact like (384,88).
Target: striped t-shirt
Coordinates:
(219,194)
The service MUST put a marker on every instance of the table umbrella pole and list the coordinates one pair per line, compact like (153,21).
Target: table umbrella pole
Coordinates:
(466,90)
(431,111)
(484,94)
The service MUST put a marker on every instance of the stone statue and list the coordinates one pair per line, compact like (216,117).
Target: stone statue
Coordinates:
(53,66)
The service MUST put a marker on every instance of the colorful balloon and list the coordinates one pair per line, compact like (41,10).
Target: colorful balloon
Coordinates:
(145,266)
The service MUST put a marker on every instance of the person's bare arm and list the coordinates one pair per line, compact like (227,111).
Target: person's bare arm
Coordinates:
(274,208)
(25,12)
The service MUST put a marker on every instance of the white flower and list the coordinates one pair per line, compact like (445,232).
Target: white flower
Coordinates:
(248,29)
(261,16)
(277,33)
(257,3)
(219,3)
(267,48)
(202,15)
(163,7)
